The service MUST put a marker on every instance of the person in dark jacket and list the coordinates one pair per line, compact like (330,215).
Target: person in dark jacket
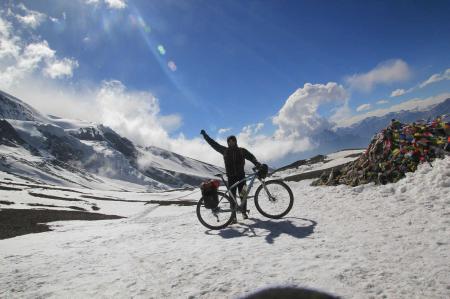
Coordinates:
(234,158)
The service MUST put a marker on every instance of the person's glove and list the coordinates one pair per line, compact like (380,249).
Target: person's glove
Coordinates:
(258,165)
(202,132)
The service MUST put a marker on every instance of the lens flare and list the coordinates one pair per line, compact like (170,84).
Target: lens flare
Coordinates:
(168,67)
(172,66)
(161,50)
(139,22)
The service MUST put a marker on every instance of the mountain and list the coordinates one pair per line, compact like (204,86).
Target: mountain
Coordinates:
(358,135)
(365,129)
(54,150)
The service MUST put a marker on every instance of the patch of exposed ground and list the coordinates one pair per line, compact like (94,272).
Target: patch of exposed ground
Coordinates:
(16,222)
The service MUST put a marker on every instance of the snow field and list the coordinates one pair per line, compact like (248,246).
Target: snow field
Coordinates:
(370,241)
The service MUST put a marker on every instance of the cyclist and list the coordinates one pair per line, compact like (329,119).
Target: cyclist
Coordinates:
(234,158)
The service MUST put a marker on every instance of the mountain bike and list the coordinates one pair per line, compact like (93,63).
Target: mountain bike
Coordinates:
(273,199)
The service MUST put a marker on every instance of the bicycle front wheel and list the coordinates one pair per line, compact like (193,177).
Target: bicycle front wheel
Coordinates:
(274,199)
(219,217)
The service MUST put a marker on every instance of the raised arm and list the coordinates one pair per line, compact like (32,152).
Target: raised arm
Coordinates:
(220,148)
(249,156)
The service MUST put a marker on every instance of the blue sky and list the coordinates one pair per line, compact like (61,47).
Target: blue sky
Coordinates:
(237,62)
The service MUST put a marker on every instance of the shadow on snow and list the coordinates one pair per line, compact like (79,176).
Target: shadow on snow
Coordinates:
(271,229)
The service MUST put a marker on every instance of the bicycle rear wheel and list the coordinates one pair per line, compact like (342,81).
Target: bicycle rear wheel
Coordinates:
(219,217)
(274,199)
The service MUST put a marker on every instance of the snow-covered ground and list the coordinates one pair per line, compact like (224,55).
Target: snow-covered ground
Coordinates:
(389,241)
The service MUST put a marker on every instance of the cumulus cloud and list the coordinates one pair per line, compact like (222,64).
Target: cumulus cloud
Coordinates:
(60,68)
(296,122)
(387,72)
(30,17)
(19,58)
(299,117)
(364,107)
(25,61)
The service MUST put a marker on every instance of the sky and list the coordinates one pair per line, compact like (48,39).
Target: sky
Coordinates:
(274,73)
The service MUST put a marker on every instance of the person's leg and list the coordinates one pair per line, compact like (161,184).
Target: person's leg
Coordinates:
(243,202)
(231,182)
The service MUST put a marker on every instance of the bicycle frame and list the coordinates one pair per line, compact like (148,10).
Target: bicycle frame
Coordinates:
(250,177)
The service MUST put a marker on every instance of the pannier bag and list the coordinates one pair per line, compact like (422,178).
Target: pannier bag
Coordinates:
(209,193)
(262,172)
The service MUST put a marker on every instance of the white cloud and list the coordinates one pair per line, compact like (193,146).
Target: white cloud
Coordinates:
(271,148)
(398,92)
(9,45)
(412,104)
(5,27)
(385,73)
(436,78)
(341,112)
(299,118)
(60,68)
(30,18)
(296,121)
(116,4)
(252,129)
(26,62)
(113,4)
(363,107)
(19,59)
(171,122)
(432,79)
(38,51)
(382,102)
(224,130)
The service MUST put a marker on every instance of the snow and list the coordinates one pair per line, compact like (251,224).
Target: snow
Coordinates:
(331,160)
(70,124)
(109,164)
(388,241)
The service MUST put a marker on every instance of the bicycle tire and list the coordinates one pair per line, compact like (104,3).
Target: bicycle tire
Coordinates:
(258,200)
(225,203)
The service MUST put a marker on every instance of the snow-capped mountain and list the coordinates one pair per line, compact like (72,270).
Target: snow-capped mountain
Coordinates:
(359,134)
(53,150)
(367,127)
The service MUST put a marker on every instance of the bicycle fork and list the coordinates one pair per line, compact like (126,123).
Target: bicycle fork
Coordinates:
(271,198)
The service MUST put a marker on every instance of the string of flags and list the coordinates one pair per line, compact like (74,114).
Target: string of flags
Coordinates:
(394,151)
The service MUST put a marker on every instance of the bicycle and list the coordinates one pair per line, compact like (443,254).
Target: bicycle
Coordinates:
(270,194)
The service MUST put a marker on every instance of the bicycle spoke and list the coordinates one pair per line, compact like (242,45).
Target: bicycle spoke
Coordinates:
(218,217)
(274,199)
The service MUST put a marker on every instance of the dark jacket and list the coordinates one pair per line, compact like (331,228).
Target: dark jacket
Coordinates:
(233,157)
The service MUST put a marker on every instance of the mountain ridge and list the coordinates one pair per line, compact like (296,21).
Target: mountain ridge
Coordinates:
(38,147)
